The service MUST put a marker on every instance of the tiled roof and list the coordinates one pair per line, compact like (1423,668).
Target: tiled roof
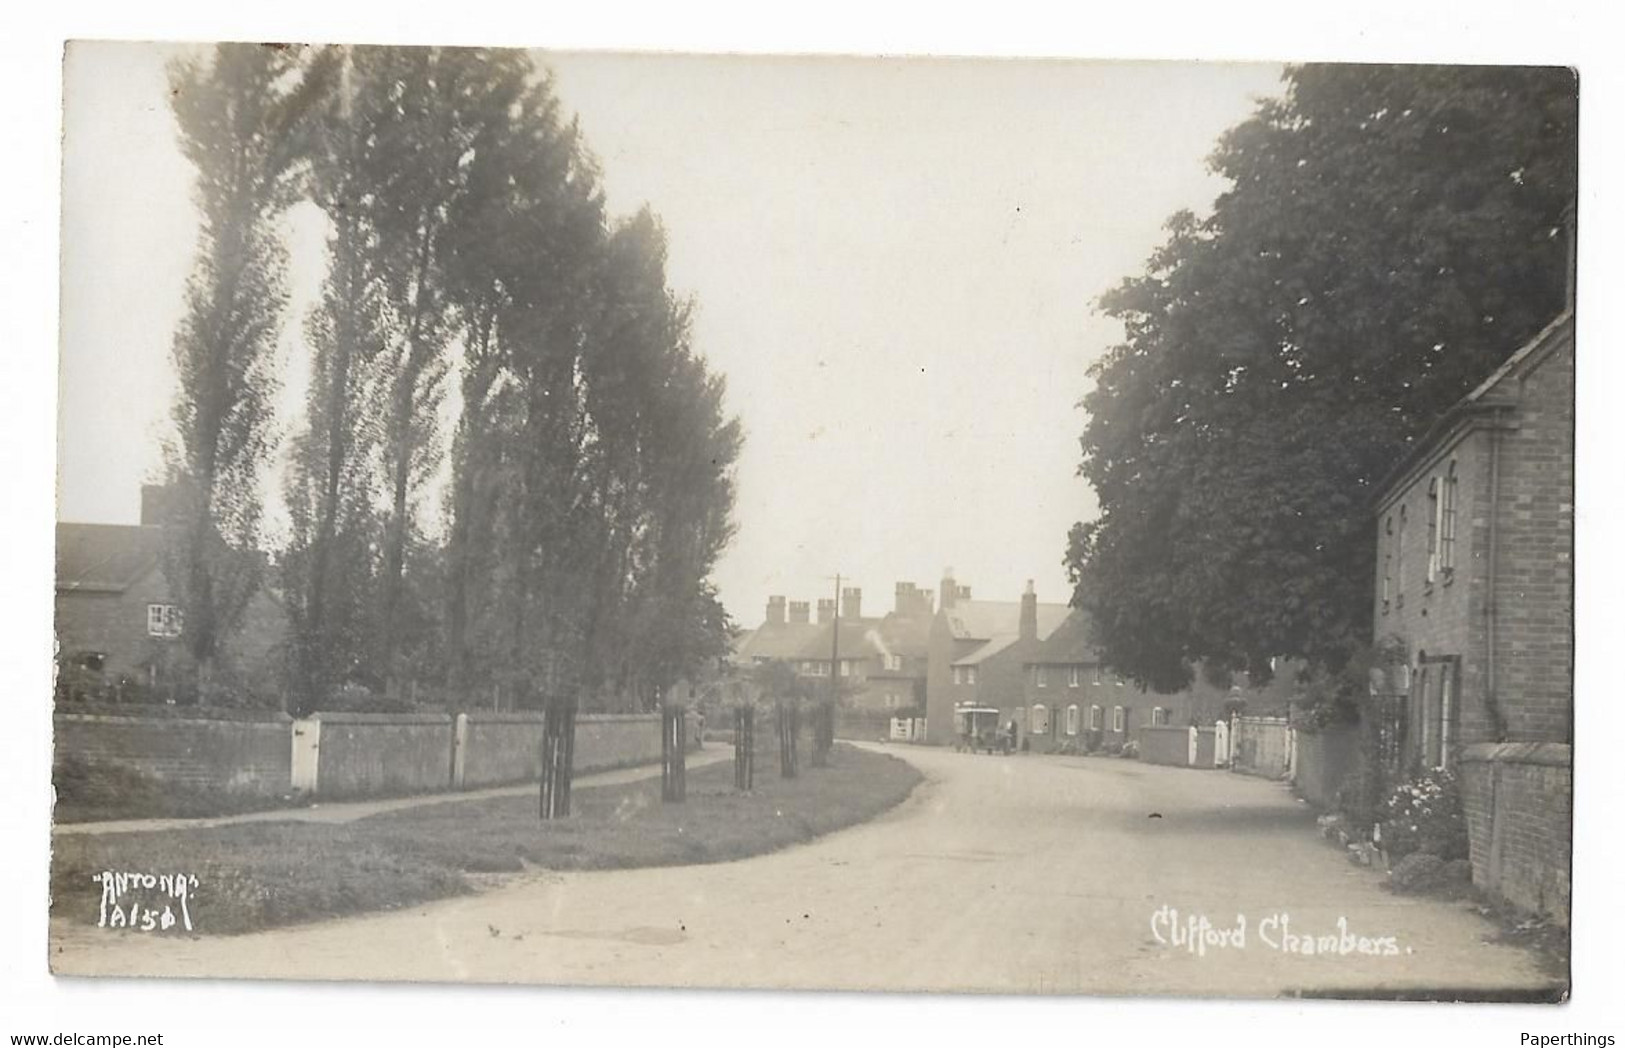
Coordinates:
(986,619)
(1071,644)
(104,558)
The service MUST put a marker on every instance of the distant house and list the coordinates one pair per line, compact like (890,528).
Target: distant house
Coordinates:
(978,649)
(119,624)
(1073,702)
(1475,593)
(880,661)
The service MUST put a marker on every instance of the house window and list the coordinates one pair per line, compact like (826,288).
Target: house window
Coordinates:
(1094,718)
(1399,562)
(970,674)
(1447,524)
(892,701)
(163,620)
(1159,717)
(1435,506)
(1099,679)
(1118,722)
(1072,720)
(1040,721)
(846,667)
(1118,682)
(1436,715)
(893,663)
(1074,677)
(964,674)
(1041,675)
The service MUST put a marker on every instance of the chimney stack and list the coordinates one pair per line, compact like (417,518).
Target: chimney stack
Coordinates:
(799,611)
(775,611)
(826,610)
(948,590)
(851,603)
(1029,613)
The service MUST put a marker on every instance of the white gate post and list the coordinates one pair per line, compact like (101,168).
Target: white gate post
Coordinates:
(306,738)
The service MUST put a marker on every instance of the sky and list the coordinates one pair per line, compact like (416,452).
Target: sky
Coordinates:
(894,262)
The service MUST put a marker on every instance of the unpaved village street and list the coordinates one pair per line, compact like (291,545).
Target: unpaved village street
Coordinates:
(1002,874)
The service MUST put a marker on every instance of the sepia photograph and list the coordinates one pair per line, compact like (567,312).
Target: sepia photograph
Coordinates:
(800,522)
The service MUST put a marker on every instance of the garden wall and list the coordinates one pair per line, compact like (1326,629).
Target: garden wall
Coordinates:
(342,755)
(1326,758)
(235,752)
(369,754)
(1166,745)
(1518,799)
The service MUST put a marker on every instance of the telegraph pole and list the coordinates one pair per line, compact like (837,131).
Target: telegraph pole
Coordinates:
(824,730)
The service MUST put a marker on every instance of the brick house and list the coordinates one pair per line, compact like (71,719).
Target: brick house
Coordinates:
(977,653)
(881,659)
(1073,702)
(119,624)
(1475,596)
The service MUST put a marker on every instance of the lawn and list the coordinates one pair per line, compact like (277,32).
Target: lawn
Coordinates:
(262,875)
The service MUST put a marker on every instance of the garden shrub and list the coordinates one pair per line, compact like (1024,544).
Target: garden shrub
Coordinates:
(1424,815)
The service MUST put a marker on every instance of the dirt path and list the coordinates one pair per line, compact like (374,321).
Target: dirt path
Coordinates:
(1021,874)
(349,811)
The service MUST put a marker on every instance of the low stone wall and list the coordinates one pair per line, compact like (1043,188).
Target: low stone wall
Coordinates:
(1326,758)
(239,752)
(611,740)
(370,754)
(346,755)
(1168,745)
(1519,801)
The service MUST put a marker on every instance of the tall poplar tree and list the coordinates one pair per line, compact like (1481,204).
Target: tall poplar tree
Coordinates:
(238,113)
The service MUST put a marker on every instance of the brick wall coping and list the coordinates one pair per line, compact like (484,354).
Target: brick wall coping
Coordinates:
(332,717)
(100,713)
(1168,727)
(1551,754)
(535,717)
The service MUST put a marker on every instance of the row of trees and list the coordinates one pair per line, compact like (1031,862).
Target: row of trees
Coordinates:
(587,479)
(1389,235)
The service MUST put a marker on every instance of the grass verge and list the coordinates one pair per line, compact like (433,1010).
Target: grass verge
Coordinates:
(87,792)
(254,876)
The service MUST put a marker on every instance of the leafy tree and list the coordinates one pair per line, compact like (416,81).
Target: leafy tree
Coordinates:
(1390,234)
(238,113)
(333,481)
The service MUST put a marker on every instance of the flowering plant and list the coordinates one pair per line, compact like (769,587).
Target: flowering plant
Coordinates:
(1424,814)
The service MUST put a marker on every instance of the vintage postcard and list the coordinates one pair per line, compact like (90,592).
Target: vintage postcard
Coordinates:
(506,501)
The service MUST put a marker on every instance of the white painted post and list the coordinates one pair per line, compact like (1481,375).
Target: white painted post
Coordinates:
(306,737)
(1190,755)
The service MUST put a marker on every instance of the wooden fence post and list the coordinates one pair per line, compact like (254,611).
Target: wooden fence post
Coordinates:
(745,748)
(673,744)
(558,757)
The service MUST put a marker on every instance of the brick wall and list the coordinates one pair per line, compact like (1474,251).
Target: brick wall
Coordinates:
(1171,745)
(236,754)
(1518,802)
(373,754)
(506,747)
(1534,579)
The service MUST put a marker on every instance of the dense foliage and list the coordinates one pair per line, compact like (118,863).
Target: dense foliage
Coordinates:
(1388,237)
(586,483)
